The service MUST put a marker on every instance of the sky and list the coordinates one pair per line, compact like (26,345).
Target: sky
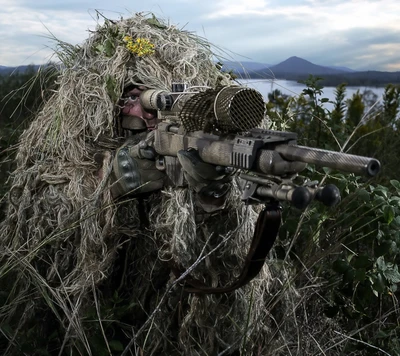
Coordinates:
(359,34)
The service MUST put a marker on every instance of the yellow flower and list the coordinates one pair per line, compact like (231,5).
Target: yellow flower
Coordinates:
(141,47)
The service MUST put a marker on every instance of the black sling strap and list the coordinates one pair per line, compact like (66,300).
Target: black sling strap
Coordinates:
(265,234)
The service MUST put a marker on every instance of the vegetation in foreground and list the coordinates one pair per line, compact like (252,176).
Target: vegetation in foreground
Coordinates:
(337,267)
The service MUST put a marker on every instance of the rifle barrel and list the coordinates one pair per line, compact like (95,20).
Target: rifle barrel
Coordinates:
(331,159)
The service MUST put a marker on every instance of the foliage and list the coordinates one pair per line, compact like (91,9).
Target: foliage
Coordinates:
(354,249)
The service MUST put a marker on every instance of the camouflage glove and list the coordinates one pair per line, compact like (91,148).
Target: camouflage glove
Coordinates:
(210,182)
(134,169)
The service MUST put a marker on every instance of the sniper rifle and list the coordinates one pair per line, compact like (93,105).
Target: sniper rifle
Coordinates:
(223,125)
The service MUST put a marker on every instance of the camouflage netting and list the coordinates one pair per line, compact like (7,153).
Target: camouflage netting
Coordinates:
(85,273)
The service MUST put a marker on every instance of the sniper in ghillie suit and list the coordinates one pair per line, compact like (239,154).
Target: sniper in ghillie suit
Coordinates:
(147,194)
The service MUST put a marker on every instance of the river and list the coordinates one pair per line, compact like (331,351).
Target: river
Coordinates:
(293,88)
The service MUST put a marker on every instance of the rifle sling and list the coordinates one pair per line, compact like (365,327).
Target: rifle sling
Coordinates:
(265,233)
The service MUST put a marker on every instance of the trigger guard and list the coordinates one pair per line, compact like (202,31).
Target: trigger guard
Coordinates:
(216,189)
(148,153)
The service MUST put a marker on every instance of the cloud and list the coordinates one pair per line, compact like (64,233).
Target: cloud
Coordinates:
(356,33)
(13,55)
(34,23)
(360,48)
(331,32)
(320,16)
(28,34)
(393,67)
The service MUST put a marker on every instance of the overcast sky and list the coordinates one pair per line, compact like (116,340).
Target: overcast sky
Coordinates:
(359,34)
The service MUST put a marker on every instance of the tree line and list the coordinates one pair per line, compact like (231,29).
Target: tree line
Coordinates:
(369,78)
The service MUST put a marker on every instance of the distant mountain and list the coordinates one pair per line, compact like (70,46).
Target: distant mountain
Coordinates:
(4,69)
(344,69)
(296,65)
(20,69)
(365,79)
(246,68)
(299,69)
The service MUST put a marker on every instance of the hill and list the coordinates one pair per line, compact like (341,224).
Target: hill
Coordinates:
(246,68)
(344,69)
(21,69)
(292,66)
(366,78)
(296,69)
(296,65)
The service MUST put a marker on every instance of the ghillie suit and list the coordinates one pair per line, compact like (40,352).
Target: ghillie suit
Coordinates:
(86,274)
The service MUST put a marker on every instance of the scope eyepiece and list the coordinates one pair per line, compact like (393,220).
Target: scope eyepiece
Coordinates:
(153,99)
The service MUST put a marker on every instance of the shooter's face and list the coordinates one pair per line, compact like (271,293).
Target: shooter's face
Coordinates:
(134,116)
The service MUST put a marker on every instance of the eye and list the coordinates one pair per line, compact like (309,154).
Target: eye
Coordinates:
(133,97)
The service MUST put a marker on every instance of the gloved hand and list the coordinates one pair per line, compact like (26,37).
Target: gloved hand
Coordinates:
(134,169)
(210,182)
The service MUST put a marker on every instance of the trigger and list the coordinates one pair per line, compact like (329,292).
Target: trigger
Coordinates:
(160,163)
